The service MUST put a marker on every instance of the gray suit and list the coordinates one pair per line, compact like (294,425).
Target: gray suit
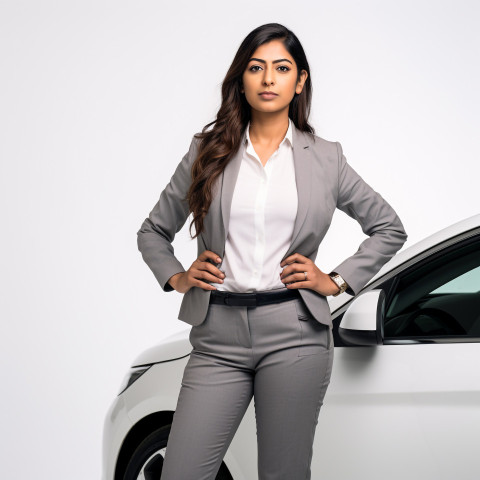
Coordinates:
(281,353)
(325,181)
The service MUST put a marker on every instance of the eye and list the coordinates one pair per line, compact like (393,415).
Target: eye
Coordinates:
(285,67)
(254,66)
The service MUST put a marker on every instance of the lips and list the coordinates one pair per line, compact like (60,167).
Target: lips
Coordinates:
(268,95)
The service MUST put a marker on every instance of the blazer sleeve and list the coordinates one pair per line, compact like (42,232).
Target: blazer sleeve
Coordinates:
(155,237)
(377,219)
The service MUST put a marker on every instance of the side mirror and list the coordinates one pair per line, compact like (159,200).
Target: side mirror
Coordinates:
(362,323)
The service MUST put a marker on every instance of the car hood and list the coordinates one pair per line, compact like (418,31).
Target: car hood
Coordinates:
(172,347)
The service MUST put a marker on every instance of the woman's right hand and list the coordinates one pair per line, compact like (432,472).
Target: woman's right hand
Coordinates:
(200,270)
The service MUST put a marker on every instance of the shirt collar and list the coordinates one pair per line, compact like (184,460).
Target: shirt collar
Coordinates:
(288,135)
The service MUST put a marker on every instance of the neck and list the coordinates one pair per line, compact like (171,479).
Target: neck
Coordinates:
(268,128)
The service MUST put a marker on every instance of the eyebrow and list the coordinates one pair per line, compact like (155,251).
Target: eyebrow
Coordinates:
(275,61)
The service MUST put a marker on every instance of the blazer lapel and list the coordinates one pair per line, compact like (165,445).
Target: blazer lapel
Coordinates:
(303,178)
(230,175)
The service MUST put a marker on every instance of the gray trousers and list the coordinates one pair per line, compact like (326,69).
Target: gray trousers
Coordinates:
(277,353)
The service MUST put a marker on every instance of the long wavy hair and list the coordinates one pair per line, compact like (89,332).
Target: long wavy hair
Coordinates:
(219,145)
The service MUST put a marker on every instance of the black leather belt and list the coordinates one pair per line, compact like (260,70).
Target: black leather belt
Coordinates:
(254,299)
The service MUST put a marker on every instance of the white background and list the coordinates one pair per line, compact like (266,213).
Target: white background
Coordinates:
(99,102)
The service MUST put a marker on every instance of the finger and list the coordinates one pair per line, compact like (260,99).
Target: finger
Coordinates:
(200,278)
(287,278)
(292,268)
(205,286)
(297,285)
(204,275)
(295,277)
(206,266)
(209,255)
(296,257)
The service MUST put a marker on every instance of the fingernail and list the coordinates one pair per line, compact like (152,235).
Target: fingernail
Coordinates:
(218,259)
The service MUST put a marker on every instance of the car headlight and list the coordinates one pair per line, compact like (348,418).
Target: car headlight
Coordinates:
(131,376)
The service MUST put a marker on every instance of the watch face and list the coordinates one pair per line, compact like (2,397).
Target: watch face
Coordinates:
(337,279)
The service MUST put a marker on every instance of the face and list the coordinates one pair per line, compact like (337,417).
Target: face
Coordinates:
(271,68)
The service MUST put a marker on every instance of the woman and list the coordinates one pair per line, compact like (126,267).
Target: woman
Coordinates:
(262,188)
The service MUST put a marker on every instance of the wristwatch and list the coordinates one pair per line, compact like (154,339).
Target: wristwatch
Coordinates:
(342,284)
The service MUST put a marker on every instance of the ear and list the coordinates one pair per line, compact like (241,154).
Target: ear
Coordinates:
(301,82)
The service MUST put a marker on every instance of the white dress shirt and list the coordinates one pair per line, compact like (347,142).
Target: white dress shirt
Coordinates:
(262,215)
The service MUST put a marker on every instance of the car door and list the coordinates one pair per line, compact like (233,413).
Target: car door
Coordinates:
(410,408)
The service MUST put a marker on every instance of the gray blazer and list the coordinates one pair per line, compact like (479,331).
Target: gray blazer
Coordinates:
(325,181)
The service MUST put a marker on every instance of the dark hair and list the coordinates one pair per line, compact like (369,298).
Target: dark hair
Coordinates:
(219,145)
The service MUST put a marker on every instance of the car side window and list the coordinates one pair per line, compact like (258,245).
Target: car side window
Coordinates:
(439,298)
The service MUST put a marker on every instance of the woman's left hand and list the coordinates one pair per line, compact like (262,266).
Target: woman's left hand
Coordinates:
(294,277)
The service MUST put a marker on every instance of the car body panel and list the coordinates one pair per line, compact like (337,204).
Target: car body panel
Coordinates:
(116,426)
(410,410)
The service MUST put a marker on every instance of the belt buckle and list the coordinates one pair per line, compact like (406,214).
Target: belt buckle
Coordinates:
(225,298)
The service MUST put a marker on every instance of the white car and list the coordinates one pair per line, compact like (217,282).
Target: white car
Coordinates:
(404,396)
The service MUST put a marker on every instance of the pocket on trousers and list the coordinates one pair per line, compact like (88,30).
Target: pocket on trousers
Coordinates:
(315,336)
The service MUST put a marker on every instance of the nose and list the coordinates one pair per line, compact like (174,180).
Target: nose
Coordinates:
(268,77)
